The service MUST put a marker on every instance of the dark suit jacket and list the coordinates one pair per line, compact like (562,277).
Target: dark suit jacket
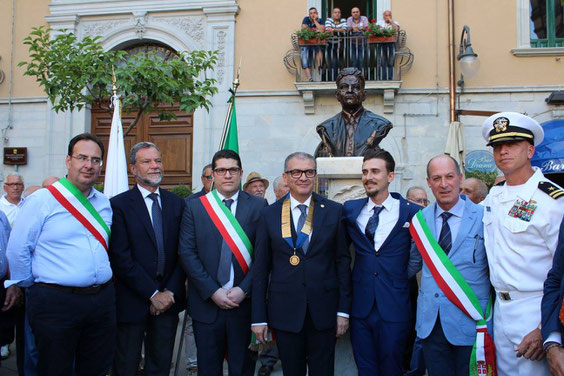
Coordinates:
(198,194)
(133,254)
(381,276)
(320,282)
(553,291)
(200,248)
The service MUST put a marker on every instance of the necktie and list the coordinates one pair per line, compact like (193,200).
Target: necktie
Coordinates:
(372,224)
(445,238)
(301,222)
(157,216)
(224,267)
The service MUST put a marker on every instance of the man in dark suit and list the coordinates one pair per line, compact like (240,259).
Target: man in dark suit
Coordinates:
(143,254)
(207,180)
(552,329)
(302,263)
(379,228)
(216,237)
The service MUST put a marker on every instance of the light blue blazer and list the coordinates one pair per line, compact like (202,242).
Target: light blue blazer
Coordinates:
(468,256)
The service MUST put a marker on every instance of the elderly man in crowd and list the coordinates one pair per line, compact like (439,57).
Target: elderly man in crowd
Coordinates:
(11,202)
(356,24)
(206,179)
(280,188)
(521,220)
(255,184)
(475,189)
(417,195)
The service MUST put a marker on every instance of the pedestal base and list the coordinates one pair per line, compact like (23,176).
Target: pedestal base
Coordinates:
(344,177)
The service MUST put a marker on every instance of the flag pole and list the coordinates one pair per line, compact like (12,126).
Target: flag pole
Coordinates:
(230,107)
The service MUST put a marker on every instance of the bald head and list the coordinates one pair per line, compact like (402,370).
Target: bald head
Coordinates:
(48,181)
(475,189)
(417,195)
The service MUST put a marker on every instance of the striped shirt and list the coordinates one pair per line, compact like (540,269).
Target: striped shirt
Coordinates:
(341,25)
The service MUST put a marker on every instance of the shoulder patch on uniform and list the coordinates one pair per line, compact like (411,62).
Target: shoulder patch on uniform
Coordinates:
(500,183)
(551,189)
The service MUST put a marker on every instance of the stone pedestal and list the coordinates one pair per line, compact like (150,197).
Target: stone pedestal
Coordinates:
(344,177)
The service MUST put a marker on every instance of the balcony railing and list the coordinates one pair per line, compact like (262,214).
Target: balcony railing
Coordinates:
(379,61)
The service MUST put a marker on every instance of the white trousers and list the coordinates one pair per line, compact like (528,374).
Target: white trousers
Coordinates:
(510,328)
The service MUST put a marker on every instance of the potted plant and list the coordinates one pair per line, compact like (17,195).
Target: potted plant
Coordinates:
(311,36)
(377,34)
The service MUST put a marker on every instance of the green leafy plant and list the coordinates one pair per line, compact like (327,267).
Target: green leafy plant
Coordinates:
(311,33)
(486,177)
(375,30)
(181,190)
(75,73)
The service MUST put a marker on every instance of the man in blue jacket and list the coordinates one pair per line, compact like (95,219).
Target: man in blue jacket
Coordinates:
(379,228)
(448,334)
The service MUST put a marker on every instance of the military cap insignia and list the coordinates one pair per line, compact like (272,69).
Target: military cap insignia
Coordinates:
(500,124)
(551,189)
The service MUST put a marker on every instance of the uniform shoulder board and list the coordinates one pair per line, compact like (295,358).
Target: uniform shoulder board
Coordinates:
(551,189)
(500,183)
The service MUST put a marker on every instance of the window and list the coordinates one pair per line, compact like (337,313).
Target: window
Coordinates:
(546,23)
(367,8)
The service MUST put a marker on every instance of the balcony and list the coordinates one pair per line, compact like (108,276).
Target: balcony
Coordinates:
(382,62)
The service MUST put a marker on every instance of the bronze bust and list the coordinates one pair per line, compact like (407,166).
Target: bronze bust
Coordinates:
(354,130)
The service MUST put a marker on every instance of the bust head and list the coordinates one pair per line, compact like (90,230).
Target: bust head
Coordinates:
(350,89)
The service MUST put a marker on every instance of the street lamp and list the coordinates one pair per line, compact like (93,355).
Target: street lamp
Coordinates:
(467,58)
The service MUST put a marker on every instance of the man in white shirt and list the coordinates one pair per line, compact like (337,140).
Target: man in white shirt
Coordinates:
(12,200)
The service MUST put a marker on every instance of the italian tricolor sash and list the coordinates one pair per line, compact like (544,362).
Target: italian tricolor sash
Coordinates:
(457,290)
(230,229)
(79,207)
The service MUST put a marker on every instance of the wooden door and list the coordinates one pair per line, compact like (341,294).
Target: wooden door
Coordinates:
(173,137)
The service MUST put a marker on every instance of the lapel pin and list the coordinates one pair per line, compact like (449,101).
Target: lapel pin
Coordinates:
(322,205)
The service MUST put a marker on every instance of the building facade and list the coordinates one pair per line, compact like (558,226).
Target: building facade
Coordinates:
(519,44)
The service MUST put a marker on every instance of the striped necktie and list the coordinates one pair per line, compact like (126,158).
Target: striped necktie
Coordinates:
(372,224)
(445,238)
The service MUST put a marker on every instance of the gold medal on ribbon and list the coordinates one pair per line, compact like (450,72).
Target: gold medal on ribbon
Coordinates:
(287,232)
(294,259)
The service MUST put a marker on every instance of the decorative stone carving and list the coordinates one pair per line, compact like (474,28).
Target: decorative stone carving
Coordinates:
(140,22)
(220,47)
(100,28)
(192,26)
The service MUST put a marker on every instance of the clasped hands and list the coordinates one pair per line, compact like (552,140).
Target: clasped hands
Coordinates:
(161,302)
(228,299)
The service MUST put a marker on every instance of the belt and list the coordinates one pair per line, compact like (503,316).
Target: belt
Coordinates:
(88,290)
(516,295)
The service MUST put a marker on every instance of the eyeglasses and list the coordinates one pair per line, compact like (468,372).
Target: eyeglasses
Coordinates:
(83,159)
(296,174)
(222,171)
(209,177)
(421,201)
(12,185)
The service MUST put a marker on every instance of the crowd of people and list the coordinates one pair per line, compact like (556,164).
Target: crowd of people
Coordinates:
(103,278)
(347,44)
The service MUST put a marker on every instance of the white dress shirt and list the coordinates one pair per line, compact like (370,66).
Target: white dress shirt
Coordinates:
(453,222)
(388,218)
(11,210)
(235,198)
(149,201)
(296,212)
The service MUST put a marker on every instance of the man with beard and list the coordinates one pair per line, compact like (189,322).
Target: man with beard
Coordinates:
(354,130)
(58,246)
(143,253)
(379,228)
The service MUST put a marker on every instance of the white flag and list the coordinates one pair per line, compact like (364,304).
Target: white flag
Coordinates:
(115,180)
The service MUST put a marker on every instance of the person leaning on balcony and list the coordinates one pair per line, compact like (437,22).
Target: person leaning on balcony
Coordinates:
(356,23)
(312,22)
(387,51)
(336,25)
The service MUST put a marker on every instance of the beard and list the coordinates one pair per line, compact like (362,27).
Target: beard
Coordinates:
(152,182)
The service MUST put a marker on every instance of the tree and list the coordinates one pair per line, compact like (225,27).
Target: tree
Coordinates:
(75,73)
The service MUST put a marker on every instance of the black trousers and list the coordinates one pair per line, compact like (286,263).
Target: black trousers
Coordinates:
(73,329)
(310,348)
(228,337)
(159,333)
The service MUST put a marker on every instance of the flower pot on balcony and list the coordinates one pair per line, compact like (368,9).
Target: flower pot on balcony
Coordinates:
(381,39)
(312,42)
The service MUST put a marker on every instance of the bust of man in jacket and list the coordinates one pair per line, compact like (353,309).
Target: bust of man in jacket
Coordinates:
(354,130)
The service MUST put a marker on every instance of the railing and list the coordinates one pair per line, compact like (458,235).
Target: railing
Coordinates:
(379,60)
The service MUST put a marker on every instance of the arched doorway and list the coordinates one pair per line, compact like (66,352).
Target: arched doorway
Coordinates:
(173,137)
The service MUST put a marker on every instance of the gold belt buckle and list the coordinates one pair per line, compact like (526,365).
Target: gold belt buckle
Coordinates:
(504,295)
